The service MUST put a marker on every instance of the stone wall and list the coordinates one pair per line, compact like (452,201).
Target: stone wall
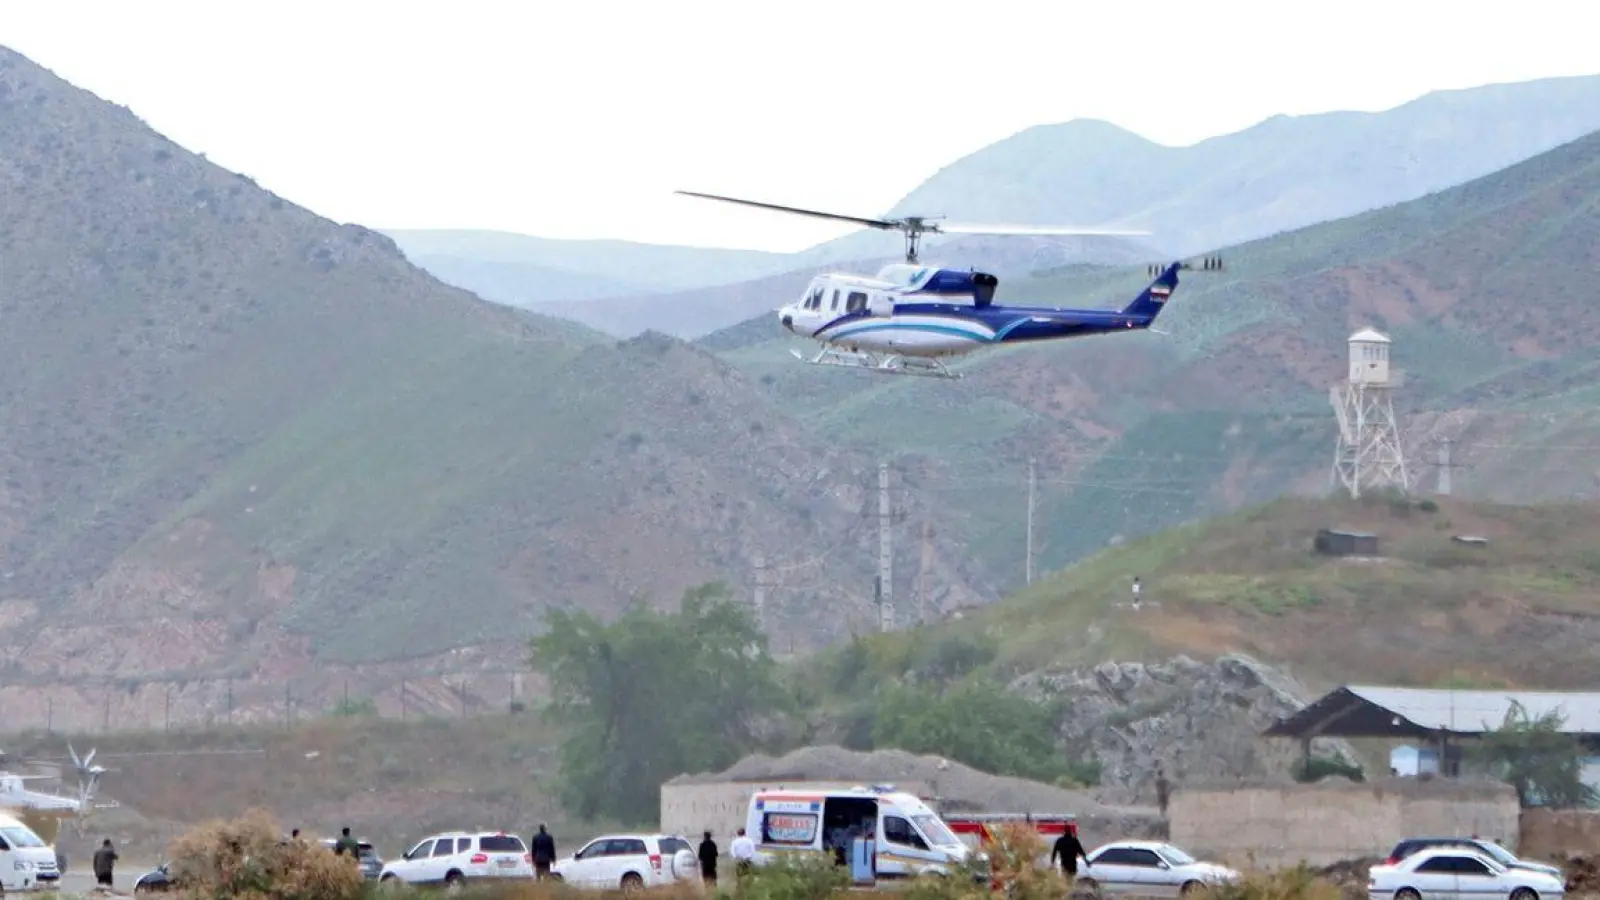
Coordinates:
(1559,833)
(1281,824)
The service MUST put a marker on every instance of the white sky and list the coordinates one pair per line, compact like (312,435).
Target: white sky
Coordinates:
(578,118)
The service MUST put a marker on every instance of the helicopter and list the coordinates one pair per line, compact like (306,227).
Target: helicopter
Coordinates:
(910,317)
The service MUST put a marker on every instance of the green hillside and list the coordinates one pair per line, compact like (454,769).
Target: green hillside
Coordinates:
(1140,432)
(1518,611)
(244,441)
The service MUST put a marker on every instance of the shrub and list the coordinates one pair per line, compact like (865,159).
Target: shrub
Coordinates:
(807,877)
(249,859)
(1299,883)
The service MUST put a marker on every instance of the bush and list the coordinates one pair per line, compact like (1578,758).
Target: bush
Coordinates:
(803,877)
(1299,883)
(249,859)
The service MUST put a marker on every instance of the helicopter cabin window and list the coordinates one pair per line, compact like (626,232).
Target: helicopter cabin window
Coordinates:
(835,306)
(857,302)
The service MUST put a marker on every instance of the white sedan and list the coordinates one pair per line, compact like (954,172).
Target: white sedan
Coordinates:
(1455,873)
(1149,869)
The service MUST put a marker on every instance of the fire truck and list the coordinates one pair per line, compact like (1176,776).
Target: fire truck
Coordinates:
(978,830)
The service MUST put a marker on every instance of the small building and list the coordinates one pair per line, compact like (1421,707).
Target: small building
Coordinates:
(1439,722)
(1345,543)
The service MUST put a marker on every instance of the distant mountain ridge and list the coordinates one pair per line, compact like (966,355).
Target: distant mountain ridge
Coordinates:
(1284,173)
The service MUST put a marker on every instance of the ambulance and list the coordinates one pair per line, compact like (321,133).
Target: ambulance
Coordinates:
(911,839)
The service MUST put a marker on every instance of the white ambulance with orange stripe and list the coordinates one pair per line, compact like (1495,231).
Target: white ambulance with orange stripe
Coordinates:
(910,837)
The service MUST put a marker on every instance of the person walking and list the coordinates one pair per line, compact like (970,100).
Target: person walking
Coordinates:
(708,860)
(544,852)
(105,863)
(743,852)
(1069,850)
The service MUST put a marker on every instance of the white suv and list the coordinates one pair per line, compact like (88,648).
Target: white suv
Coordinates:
(629,861)
(459,856)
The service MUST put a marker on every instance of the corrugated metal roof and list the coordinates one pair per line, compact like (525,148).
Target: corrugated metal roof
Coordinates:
(1474,711)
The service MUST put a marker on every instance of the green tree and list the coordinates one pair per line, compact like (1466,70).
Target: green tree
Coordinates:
(975,721)
(1537,758)
(653,695)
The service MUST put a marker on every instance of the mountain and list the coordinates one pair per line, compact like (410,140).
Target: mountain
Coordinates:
(1284,173)
(520,270)
(243,442)
(1133,433)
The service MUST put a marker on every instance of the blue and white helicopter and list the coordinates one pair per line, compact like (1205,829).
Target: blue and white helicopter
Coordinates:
(909,317)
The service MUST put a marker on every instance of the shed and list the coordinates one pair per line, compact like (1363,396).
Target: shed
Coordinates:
(1345,543)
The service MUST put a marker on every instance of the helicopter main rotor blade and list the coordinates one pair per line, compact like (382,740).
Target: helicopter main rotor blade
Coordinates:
(884,224)
(1064,231)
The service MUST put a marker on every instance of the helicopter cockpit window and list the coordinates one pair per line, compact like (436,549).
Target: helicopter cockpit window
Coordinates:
(835,306)
(857,302)
(815,300)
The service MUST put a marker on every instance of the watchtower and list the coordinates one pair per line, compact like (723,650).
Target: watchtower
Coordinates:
(1368,454)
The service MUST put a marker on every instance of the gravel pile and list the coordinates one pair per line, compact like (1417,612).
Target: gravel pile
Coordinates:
(957,787)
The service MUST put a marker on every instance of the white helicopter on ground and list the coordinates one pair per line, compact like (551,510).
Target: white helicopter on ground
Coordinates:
(910,316)
(14,794)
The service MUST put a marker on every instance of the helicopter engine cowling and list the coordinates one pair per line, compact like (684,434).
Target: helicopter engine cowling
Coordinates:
(983,287)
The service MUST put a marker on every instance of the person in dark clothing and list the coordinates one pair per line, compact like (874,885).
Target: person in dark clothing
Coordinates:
(1163,789)
(347,844)
(544,852)
(1069,850)
(708,860)
(105,862)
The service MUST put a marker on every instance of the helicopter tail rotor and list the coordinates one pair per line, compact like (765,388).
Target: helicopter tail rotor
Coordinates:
(1203,264)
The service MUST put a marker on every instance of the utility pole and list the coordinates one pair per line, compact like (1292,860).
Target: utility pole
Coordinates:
(1444,468)
(759,595)
(885,553)
(1032,484)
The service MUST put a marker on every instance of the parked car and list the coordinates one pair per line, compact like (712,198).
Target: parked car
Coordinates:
(461,856)
(1149,869)
(1488,848)
(1456,873)
(157,879)
(629,861)
(371,863)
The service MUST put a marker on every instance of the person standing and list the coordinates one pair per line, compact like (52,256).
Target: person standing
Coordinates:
(1069,850)
(743,851)
(347,844)
(1163,789)
(708,860)
(105,863)
(544,853)
(1136,591)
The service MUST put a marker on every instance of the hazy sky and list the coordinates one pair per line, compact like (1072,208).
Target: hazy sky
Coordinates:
(578,119)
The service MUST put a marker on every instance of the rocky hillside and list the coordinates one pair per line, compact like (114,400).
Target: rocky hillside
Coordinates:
(247,443)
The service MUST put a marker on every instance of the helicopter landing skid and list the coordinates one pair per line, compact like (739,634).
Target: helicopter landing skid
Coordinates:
(887,365)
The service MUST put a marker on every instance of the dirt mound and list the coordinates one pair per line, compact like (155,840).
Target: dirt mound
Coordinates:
(951,786)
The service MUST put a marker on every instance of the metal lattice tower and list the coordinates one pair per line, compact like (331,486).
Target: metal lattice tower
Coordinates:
(1369,454)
